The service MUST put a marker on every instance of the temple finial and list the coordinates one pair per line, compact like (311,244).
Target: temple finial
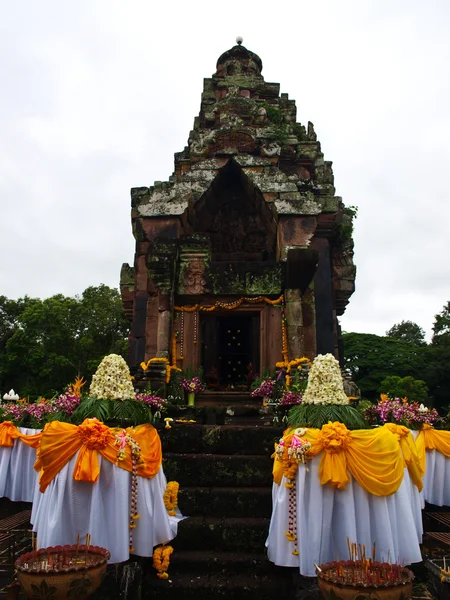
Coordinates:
(239,40)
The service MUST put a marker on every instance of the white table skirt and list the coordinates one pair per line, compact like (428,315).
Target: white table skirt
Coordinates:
(17,475)
(326,516)
(436,482)
(70,508)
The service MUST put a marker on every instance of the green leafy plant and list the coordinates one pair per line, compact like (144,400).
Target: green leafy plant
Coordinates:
(126,411)
(92,408)
(317,415)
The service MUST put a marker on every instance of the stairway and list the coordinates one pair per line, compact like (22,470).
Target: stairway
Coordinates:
(224,472)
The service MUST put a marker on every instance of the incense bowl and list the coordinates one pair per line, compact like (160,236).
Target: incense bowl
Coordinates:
(62,572)
(354,583)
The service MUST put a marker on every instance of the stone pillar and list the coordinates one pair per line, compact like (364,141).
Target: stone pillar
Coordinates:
(164,322)
(294,323)
(323,292)
(309,322)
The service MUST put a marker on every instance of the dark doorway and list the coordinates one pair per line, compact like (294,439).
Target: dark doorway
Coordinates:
(230,350)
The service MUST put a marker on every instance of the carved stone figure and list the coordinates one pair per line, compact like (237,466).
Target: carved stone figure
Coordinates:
(194,277)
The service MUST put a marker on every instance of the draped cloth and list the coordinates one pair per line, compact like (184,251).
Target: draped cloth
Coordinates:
(70,508)
(432,439)
(9,433)
(372,457)
(410,454)
(361,484)
(85,489)
(327,515)
(60,442)
(433,449)
(18,479)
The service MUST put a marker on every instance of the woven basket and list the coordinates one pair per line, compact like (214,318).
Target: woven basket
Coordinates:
(62,572)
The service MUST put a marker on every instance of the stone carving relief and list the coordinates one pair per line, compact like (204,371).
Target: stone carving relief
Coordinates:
(194,277)
(232,231)
(199,142)
(234,140)
(270,149)
(261,115)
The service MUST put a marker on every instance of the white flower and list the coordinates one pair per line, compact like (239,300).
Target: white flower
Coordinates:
(325,385)
(112,379)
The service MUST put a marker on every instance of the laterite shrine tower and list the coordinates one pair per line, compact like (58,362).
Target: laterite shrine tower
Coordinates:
(245,256)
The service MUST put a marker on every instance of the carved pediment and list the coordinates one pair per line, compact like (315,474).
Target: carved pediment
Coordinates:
(236,218)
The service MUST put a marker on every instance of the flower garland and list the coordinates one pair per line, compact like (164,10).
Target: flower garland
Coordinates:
(171,497)
(161,561)
(229,305)
(284,338)
(169,367)
(290,364)
(291,451)
(124,439)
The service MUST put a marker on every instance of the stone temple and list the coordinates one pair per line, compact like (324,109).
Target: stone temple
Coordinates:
(245,256)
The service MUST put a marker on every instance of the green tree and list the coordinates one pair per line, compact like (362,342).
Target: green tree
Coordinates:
(371,358)
(416,390)
(104,327)
(439,358)
(441,326)
(408,332)
(44,344)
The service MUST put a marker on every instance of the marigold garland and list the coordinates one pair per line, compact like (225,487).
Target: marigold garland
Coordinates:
(172,366)
(161,561)
(171,497)
(230,305)
(288,365)
(169,368)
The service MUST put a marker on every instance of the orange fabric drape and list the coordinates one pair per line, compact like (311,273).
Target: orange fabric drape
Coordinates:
(409,451)
(429,438)
(372,457)
(61,441)
(9,432)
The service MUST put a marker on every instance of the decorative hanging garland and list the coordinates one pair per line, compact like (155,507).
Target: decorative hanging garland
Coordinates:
(182,336)
(122,440)
(169,367)
(292,451)
(230,305)
(218,305)
(171,497)
(161,561)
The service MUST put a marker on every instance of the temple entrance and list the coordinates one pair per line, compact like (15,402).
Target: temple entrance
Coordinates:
(230,350)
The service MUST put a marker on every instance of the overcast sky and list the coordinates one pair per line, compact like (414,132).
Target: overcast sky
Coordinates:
(97,95)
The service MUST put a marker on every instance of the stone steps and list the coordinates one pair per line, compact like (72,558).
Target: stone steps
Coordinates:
(225,476)
(247,502)
(212,586)
(244,439)
(218,469)
(230,563)
(226,534)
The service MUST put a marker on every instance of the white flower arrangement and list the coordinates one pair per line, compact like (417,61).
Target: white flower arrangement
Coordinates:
(325,385)
(112,380)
